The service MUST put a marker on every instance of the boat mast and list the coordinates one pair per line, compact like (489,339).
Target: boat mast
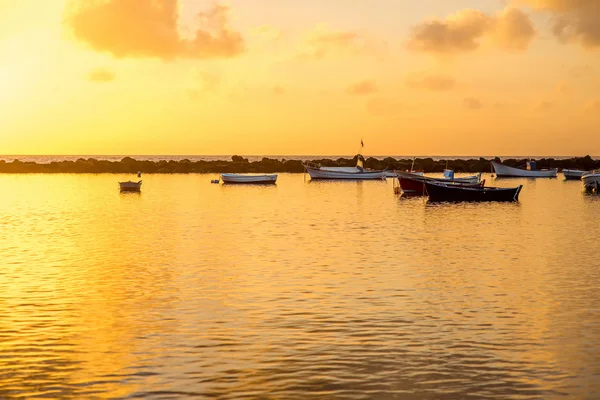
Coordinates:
(359,163)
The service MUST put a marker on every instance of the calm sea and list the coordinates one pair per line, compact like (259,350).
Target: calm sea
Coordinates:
(48,159)
(297,291)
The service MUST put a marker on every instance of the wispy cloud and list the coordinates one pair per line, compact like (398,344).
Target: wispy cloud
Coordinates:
(593,107)
(279,90)
(472,103)
(562,88)
(101,75)
(543,105)
(323,42)
(362,88)
(437,83)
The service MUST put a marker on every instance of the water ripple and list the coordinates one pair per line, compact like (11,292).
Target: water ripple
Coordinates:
(333,290)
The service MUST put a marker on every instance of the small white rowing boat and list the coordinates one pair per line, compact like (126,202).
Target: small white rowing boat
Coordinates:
(506,171)
(130,186)
(255,179)
(573,174)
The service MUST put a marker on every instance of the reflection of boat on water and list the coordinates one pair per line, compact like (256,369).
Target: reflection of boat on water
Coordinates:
(591,181)
(439,192)
(415,184)
(249,179)
(502,170)
(130,186)
(573,174)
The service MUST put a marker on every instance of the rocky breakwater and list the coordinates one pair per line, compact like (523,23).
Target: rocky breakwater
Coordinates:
(269,165)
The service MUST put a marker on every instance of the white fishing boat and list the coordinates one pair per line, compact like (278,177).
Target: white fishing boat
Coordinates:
(130,186)
(251,179)
(317,171)
(346,173)
(531,171)
(573,174)
(591,181)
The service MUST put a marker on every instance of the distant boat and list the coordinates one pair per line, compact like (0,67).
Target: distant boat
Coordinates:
(573,174)
(130,186)
(452,193)
(591,181)
(249,179)
(531,171)
(415,184)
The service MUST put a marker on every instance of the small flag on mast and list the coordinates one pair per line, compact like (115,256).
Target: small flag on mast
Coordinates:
(361,143)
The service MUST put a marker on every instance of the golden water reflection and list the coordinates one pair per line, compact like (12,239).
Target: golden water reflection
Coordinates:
(327,289)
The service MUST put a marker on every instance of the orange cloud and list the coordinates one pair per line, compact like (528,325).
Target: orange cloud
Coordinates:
(278,90)
(207,81)
(148,28)
(101,75)
(322,43)
(465,30)
(574,20)
(268,32)
(562,88)
(362,88)
(543,106)
(513,29)
(593,108)
(437,83)
(580,71)
(472,103)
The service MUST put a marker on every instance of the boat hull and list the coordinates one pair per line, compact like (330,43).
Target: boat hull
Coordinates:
(591,182)
(321,174)
(449,193)
(415,184)
(573,174)
(249,179)
(502,170)
(130,186)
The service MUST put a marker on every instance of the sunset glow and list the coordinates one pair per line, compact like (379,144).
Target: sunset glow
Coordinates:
(439,77)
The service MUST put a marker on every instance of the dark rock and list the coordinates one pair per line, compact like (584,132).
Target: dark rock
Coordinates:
(269,165)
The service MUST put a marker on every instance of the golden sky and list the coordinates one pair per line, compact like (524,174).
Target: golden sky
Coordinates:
(433,77)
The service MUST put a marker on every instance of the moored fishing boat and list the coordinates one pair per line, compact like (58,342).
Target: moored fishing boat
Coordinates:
(130,186)
(317,171)
(345,173)
(573,174)
(415,184)
(439,192)
(591,181)
(502,170)
(249,179)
